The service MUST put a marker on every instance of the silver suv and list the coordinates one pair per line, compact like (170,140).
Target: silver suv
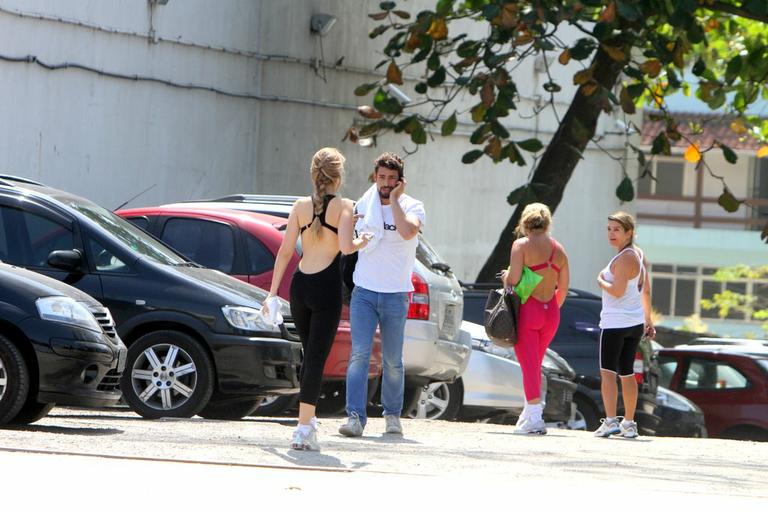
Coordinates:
(434,350)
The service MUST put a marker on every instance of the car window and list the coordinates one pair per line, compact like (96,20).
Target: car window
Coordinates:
(426,254)
(260,258)
(763,363)
(211,244)
(711,374)
(3,242)
(139,222)
(104,260)
(134,238)
(667,368)
(34,237)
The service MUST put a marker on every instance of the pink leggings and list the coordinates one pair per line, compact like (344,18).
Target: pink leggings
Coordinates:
(537,326)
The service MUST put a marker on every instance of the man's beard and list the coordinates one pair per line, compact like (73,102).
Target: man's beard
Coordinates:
(384,194)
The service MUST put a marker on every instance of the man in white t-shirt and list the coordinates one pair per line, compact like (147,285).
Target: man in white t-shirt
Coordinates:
(382,280)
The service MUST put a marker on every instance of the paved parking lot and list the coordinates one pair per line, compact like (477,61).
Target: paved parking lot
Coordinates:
(437,462)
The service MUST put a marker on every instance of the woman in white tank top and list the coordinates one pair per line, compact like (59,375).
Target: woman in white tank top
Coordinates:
(624,318)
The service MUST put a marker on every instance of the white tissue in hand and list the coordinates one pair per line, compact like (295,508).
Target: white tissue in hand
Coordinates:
(272,314)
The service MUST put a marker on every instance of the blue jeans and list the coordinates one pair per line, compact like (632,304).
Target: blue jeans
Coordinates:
(367,310)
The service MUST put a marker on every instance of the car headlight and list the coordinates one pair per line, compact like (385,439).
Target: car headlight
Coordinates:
(67,311)
(247,319)
(675,401)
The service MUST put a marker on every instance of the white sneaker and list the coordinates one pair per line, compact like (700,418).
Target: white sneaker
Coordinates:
(305,440)
(628,429)
(531,426)
(608,427)
(393,425)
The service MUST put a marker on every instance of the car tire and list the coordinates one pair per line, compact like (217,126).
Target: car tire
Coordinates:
(31,412)
(14,380)
(436,401)
(184,384)
(586,410)
(228,409)
(276,405)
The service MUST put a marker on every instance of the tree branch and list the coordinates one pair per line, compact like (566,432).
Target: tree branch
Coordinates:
(732,9)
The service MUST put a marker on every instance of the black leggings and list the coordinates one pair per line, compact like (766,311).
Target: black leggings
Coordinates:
(618,348)
(316,310)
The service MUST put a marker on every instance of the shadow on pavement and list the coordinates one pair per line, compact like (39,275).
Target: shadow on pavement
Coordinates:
(74,431)
(312,459)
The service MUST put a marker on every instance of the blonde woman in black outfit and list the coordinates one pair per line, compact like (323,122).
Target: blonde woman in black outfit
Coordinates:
(316,287)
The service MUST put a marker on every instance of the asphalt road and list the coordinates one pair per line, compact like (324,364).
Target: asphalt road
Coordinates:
(80,456)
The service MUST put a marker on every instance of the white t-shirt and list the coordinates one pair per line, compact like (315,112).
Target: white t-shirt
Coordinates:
(387,267)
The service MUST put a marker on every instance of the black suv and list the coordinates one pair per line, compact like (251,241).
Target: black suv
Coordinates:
(196,341)
(57,345)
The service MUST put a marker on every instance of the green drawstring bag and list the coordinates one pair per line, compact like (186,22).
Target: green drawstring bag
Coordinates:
(528,282)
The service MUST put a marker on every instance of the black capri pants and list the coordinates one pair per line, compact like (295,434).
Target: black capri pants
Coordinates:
(316,310)
(618,348)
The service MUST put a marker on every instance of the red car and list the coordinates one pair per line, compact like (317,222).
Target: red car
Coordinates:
(729,383)
(244,245)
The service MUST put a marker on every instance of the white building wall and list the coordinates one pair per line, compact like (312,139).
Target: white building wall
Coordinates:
(108,139)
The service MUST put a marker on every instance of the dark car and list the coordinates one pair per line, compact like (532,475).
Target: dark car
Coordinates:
(253,239)
(680,417)
(196,340)
(57,346)
(577,341)
(728,382)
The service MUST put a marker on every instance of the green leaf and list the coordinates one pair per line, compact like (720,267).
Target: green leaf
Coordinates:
(471,156)
(421,88)
(601,31)
(387,6)
(583,49)
(660,145)
(729,155)
(728,201)
(634,73)
(419,135)
(378,31)
(635,90)
(517,195)
(699,67)
(364,89)
(478,112)
(434,61)
(480,134)
(449,125)
(625,191)
(531,145)
(733,69)
(490,11)
(628,11)
(552,87)
(444,7)
(385,104)
(437,78)
(499,130)
(468,49)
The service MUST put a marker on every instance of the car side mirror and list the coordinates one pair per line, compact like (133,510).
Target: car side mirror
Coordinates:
(70,260)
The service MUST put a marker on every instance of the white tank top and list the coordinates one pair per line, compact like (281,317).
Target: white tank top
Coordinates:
(627,310)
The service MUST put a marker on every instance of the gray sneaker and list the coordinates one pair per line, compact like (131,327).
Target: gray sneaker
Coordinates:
(628,429)
(301,441)
(353,427)
(393,424)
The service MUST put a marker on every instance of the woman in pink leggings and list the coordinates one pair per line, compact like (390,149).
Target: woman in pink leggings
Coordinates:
(540,313)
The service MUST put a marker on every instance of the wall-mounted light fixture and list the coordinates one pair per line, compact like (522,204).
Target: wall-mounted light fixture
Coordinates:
(321,23)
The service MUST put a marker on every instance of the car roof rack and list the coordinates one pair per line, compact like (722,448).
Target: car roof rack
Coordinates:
(255,198)
(20,179)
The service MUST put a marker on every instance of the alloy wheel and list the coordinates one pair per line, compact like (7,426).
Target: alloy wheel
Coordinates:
(164,376)
(432,402)
(3,379)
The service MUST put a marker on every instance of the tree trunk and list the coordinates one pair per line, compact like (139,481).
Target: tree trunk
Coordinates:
(559,159)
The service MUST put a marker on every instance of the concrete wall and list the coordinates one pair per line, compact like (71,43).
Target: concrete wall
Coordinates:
(108,139)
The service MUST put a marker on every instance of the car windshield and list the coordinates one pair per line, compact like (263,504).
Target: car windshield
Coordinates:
(138,240)
(763,363)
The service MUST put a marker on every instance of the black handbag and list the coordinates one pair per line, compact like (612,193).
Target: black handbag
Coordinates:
(502,311)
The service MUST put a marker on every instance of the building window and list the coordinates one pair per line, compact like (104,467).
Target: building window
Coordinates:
(668,174)
(677,291)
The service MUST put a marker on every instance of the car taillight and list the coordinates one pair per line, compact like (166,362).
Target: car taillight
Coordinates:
(639,367)
(418,299)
